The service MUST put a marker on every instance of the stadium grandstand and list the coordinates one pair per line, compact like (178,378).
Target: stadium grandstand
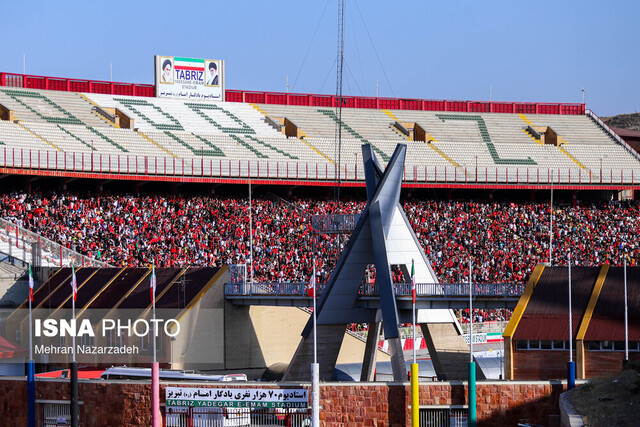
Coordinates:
(84,163)
(291,137)
(115,131)
(101,175)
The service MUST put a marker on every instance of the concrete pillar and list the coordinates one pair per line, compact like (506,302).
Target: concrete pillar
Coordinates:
(397,360)
(370,352)
(329,342)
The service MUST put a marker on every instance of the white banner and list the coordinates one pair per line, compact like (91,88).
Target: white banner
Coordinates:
(189,78)
(237,397)
(480,338)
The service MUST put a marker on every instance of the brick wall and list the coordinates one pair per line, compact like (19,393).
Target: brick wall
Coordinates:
(128,403)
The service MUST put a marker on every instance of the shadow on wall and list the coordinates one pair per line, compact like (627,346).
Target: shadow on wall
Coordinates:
(508,409)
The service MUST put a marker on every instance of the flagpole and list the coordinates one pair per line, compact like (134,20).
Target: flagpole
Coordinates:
(155,368)
(73,318)
(250,237)
(472,416)
(153,301)
(315,317)
(626,316)
(74,364)
(413,295)
(30,317)
(571,366)
(470,317)
(31,369)
(415,370)
(315,368)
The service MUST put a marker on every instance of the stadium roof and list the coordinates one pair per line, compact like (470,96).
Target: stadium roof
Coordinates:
(546,316)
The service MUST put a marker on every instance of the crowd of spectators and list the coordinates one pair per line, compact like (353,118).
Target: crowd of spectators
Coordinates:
(504,240)
(480,315)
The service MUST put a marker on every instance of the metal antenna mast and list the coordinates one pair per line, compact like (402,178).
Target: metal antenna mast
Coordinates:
(340,62)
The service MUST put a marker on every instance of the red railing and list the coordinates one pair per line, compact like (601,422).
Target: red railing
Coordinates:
(281,98)
(75,85)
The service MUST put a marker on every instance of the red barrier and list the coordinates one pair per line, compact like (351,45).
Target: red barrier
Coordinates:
(281,98)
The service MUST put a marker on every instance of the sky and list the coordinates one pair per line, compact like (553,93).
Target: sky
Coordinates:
(517,50)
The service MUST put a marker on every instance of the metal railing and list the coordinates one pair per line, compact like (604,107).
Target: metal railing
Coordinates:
(611,132)
(451,289)
(444,290)
(21,243)
(277,289)
(202,168)
(485,326)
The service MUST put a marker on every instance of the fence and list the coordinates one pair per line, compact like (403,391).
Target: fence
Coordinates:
(29,247)
(450,289)
(209,168)
(56,414)
(443,417)
(284,289)
(370,289)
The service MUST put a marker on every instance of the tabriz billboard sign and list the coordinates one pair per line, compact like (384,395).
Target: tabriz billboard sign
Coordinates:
(189,78)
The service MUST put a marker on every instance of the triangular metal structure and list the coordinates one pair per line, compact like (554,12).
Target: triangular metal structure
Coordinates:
(384,237)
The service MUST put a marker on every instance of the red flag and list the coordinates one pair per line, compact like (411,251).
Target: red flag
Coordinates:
(311,290)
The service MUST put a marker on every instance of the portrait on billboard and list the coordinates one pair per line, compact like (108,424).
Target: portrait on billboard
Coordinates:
(211,70)
(166,70)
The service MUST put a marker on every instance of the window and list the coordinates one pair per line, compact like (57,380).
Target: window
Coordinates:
(593,345)
(612,345)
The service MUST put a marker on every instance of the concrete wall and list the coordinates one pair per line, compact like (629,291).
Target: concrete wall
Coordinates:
(259,336)
(110,403)
(201,340)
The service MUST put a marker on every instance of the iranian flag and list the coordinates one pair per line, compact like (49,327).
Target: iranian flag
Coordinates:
(30,284)
(413,282)
(152,283)
(311,290)
(191,64)
(74,282)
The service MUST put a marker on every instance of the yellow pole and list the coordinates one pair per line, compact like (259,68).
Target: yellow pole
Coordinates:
(415,398)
